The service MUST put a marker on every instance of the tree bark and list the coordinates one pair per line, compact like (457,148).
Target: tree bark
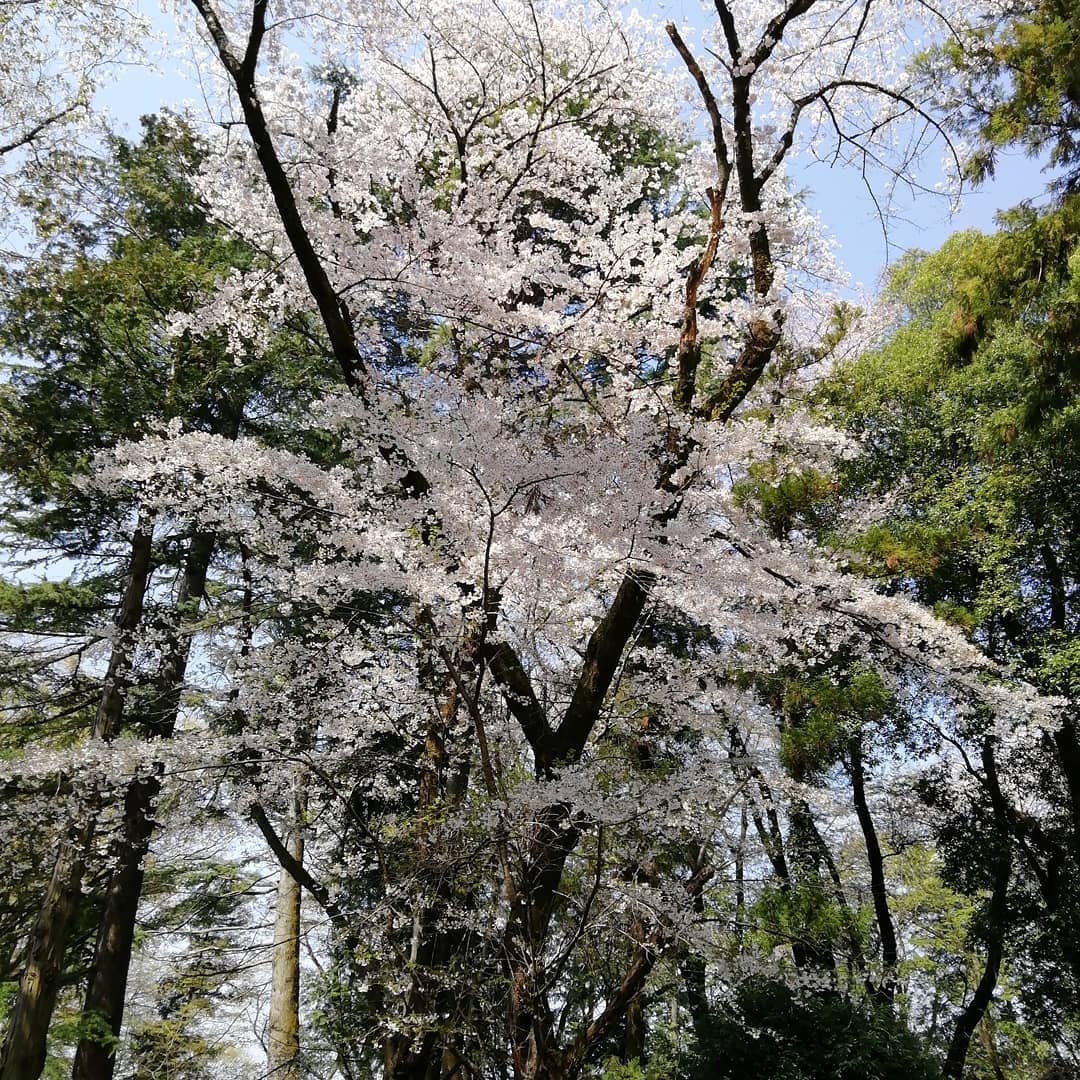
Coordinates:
(634,1028)
(876,861)
(997,912)
(25,1045)
(94,1057)
(283,1029)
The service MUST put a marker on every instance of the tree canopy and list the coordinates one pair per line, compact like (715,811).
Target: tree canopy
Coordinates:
(478,602)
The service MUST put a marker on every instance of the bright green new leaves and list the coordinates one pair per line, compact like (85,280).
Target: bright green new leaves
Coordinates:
(971,427)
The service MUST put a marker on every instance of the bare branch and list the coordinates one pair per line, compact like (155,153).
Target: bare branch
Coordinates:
(295,868)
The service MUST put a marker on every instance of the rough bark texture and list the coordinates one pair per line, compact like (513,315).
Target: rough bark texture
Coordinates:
(24,1048)
(25,1044)
(94,1057)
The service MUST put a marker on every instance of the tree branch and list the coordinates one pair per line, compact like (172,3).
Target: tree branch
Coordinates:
(602,657)
(296,869)
(688,356)
(521,700)
(332,309)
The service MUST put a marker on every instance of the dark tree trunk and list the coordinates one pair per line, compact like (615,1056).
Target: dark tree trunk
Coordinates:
(408,1055)
(805,857)
(634,1030)
(996,918)
(693,965)
(94,1057)
(876,861)
(24,1047)
(27,1036)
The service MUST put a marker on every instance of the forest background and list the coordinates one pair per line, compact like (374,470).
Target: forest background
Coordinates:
(483,596)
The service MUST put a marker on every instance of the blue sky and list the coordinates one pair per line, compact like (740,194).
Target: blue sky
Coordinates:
(840,198)
(847,210)
(837,194)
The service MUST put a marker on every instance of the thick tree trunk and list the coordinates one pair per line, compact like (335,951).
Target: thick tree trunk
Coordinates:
(283,1029)
(635,1032)
(94,1057)
(27,1036)
(24,1048)
(694,968)
(408,1055)
(634,1028)
(1068,748)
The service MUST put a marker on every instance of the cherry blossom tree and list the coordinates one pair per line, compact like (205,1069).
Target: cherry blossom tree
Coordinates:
(55,58)
(525,637)
(469,175)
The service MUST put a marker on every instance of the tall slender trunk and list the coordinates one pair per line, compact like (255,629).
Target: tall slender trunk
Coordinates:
(24,1050)
(694,967)
(996,919)
(976,1008)
(1065,737)
(95,1058)
(283,1028)
(635,1032)
(876,861)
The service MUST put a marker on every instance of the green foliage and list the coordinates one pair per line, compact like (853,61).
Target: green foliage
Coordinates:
(48,606)
(784,500)
(1021,81)
(618,1070)
(84,324)
(804,911)
(771,1032)
(172,1046)
(821,714)
(970,420)
(208,902)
